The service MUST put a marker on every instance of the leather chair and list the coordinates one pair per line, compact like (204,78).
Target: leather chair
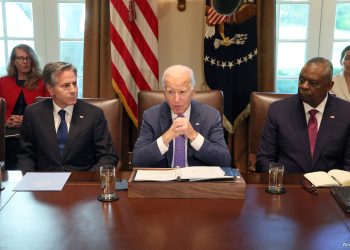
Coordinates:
(147,99)
(112,109)
(2,131)
(259,105)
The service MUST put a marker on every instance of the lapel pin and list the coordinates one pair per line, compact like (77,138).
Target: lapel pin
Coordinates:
(197,124)
(81,116)
(332,117)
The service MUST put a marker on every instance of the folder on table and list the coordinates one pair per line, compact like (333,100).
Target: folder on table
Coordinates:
(342,196)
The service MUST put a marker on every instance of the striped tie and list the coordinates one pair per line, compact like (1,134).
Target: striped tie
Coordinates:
(179,160)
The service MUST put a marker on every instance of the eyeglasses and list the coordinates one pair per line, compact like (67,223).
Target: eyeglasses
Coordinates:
(308,186)
(22,58)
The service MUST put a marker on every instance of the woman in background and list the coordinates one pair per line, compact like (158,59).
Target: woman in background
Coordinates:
(341,87)
(22,84)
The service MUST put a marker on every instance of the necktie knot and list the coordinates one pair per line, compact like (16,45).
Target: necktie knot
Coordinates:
(313,112)
(62,114)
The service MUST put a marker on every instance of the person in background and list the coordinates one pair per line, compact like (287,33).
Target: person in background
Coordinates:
(309,131)
(341,87)
(180,121)
(63,133)
(22,84)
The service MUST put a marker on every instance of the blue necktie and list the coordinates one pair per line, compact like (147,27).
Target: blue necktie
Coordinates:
(62,131)
(179,160)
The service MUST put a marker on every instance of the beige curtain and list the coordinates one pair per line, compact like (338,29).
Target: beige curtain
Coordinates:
(266,44)
(97,56)
(97,65)
(266,77)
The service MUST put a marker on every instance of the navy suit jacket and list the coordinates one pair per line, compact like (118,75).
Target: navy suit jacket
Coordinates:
(89,144)
(204,119)
(285,137)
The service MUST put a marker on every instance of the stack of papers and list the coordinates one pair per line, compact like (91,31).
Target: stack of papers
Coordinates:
(188,173)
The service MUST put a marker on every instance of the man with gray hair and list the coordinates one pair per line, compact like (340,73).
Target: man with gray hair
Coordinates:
(64,133)
(180,132)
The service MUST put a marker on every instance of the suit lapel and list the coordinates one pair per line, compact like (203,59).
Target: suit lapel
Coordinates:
(328,120)
(165,123)
(302,135)
(76,125)
(195,122)
(49,132)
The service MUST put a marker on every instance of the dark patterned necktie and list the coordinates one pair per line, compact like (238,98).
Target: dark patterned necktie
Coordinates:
(62,131)
(179,156)
(312,129)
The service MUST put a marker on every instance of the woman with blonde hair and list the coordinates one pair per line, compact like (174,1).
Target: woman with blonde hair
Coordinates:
(22,84)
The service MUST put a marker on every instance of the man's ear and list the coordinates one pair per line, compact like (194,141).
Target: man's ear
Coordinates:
(49,89)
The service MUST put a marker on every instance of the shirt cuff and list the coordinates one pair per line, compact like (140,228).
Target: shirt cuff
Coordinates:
(162,147)
(198,142)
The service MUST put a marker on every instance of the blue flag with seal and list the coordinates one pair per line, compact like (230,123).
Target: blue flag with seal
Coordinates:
(230,58)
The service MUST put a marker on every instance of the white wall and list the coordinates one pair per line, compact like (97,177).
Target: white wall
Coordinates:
(181,36)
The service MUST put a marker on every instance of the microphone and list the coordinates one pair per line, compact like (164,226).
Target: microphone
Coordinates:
(225,7)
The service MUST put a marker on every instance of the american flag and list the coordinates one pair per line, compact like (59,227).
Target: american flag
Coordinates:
(134,50)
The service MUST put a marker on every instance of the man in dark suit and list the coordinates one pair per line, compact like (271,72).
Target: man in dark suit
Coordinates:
(180,116)
(63,133)
(309,131)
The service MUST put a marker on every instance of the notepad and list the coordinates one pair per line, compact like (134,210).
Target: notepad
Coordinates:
(42,181)
(193,173)
(334,177)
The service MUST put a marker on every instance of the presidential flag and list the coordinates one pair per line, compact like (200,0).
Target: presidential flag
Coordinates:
(230,59)
(134,50)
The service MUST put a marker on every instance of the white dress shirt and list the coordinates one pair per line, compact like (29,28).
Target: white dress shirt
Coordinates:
(57,118)
(319,114)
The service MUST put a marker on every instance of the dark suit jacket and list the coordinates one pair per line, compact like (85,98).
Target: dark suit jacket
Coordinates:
(285,137)
(204,119)
(89,144)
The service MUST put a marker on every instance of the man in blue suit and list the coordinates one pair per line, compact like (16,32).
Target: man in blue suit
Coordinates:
(285,137)
(200,124)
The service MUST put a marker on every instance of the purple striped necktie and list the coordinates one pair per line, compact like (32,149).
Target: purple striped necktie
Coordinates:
(179,155)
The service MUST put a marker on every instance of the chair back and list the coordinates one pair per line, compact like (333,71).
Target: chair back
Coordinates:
(259,105)
(147,99)
(2,131)
(112,109)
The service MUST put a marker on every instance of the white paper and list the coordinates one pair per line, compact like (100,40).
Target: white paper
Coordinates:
(42,181)
(155,175)
(193,173)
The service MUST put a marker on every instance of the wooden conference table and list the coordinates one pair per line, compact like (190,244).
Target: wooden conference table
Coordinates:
(74,219)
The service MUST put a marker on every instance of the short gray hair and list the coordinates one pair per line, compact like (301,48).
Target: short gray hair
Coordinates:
(178,69)
(52,69)
(328,74)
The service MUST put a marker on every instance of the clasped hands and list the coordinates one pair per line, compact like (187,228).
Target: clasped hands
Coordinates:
(180,126)
(14,121)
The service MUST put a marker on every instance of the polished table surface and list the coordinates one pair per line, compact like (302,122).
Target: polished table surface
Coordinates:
(74,219)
